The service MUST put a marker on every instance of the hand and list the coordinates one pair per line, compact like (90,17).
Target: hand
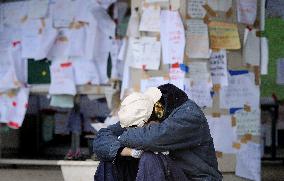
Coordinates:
(126,152)
(131,152)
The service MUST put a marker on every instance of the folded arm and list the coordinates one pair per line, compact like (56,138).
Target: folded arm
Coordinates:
(106,144)
(182,129)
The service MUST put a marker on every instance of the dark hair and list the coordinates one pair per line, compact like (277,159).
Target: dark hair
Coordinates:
(172,98)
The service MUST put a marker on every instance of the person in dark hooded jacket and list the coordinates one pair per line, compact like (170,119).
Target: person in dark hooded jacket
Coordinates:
(184,132)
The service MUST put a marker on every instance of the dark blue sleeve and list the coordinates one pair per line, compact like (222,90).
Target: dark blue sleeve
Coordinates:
(106,143)
(184,128)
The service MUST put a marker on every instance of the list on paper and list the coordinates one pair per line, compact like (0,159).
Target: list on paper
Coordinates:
(195,8)
(218,67)
(248,122)
(224,35)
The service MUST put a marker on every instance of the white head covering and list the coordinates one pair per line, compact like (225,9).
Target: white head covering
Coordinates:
(137,108)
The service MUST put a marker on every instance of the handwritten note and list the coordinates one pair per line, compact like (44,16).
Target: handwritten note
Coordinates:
(195,8)
(218,67)
(220,5)
(240,91)
(172,37)
(280,72)
(62,78)
(249,162)
(144,53)
(152,82)
(248,122)
(197,39)
(222,132)
(247,10)
(150,20)
(199,92)
(224,35)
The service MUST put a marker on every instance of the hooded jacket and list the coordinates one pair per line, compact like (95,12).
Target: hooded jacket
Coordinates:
(184,133)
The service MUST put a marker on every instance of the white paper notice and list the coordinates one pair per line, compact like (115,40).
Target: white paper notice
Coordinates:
(264,55)
(247,11)
(17,108)
(280,72)
(172,37)
(152,82)
(222,132)
(133,25)
(195,8)
(150,20)
(37,9)
(198,71)
(220,5)
(38,38)
(62,78)
(218,67)
(8,79)
(248,122)
(144,53)
(63,16)
(197,39)
(14,13)
(249,162)
(240,91)
(177,77)
(85,72)
(199,92)
(251,50)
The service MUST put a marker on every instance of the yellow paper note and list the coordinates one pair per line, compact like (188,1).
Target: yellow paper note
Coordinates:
(224,35)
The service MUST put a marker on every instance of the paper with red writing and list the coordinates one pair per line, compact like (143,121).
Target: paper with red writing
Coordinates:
(172,37)
(13,107)
(197,45)
(247,10)
(62,78)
